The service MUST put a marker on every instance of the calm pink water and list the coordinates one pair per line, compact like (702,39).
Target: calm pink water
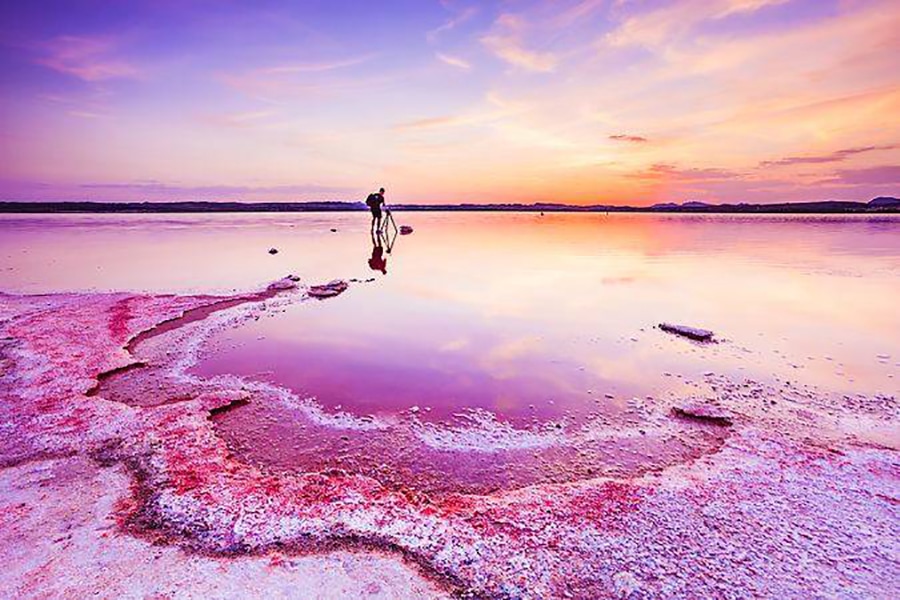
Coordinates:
(533,321)
(506,310)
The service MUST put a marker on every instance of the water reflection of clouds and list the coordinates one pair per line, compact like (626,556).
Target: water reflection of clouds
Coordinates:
(469,284)
(454,345)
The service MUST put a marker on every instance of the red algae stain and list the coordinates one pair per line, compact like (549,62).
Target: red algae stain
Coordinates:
(404,455)
(606,505)
(126,507)
(119,317)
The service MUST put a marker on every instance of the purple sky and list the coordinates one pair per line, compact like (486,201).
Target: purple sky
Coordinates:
(576,101)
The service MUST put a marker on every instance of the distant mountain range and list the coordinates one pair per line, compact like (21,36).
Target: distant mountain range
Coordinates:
(877,205)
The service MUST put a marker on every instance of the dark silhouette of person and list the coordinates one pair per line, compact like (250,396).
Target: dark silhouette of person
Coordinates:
(375,201)
(378,262)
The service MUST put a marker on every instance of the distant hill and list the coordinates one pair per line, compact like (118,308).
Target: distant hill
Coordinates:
(880,205)
(884,202)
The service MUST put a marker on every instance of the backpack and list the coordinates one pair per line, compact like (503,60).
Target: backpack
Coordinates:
(372,201)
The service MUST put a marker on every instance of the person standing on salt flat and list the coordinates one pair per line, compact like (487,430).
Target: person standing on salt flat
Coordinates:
(375,201)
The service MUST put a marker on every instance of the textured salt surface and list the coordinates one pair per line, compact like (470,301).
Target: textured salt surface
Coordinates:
(797,498)
(481,455)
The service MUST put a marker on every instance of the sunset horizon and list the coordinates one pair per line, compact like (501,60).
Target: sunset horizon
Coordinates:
(582,102)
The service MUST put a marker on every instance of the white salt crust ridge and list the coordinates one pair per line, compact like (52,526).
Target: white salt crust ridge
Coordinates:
(487,434)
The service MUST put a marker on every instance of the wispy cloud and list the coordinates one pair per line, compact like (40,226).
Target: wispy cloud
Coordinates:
(731,7)
(880,175)
(452,23)
(275,83)
(578,12)
(84,114)
(495,111)
(316,67)
(506,42)
(239,119)
(188,192)
(428,123)
(512,52)
(87,58)
(453,61)
(668,23)
(836,156)
(669,171)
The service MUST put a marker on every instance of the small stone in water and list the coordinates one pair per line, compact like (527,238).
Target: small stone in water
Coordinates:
(694,333)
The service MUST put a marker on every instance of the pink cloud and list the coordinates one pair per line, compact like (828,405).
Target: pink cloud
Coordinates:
(317,67)
(87,58)
(236,120)
(169,192)
(428,123)
(456,20)
(673,20)
(623,137)
(505,41)
(666,171)
(275,83)
(881,175)
(453,61)
(836,156)
(84,114)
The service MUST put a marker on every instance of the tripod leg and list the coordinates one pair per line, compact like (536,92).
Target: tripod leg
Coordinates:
(393,222)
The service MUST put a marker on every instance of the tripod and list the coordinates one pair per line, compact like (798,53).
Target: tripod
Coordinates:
(389,220)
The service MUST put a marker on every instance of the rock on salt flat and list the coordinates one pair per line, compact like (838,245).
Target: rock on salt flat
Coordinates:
(703,412)
(328,290)
(700,335)
(287,283)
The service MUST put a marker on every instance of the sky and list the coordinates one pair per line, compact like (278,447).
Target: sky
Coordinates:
(576,101)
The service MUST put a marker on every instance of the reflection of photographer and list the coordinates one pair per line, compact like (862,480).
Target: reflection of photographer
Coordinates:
(378,262)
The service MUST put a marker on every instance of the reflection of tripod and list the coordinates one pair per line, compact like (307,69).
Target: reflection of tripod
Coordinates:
(385,233)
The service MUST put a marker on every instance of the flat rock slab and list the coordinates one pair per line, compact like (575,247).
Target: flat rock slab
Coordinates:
(287,283)
(694,333)
(704,412)
(328,290)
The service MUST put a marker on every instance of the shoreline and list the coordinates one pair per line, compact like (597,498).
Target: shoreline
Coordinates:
(876,206)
